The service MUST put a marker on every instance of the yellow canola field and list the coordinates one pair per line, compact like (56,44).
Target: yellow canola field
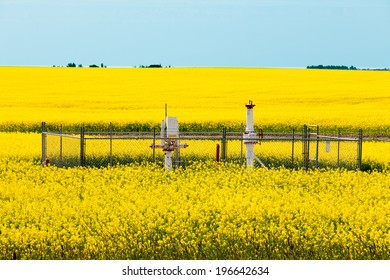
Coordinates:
(206,211)
(206,96)
(20,146)
(27,147)
(203,212)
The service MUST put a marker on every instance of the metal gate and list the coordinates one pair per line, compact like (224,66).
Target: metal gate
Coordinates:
(315,146)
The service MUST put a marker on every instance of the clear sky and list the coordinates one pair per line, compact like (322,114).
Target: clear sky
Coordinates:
(248,33)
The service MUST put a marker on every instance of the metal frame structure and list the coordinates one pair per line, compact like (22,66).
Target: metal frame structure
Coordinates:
(311,140)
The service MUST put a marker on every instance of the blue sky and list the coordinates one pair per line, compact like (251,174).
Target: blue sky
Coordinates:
(238,33)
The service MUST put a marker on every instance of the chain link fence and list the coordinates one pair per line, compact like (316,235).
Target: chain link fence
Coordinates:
(295,150)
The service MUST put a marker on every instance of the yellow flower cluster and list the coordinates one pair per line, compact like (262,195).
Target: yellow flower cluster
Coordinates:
(283,97)
(206,211)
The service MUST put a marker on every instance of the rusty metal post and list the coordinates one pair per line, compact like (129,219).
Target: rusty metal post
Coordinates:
(217,158)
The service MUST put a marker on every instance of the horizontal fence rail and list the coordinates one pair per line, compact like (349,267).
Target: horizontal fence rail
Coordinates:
(291,150)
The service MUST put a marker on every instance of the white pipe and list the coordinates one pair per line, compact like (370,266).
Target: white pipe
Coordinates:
(168,160)
(250,155)
(249,120)
(250,136)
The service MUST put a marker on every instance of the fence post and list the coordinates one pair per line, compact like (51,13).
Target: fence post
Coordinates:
(223,146)
(360,149)
(60,161)
(338,146)
(242,146)
(292,148)
(111,144)
(317,144)
(154,144)
(44,142)
(305,153)
(82,147)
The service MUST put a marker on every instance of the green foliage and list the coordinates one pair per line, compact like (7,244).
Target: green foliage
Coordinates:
(332,67)
(373,131)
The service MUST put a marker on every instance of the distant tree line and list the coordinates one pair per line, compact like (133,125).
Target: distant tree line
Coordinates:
(332,67)
(72,64)
(154,66)
(376,69)
(343,67)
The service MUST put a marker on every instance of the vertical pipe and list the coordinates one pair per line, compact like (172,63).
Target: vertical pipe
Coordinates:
(249,118)
(217,153)
(163,132)
(168,161)
(250,155)
(250,135)
(60,161)
(360,150)
(44,141)
(111,132)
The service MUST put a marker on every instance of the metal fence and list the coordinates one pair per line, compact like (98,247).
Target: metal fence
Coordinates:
(305,149)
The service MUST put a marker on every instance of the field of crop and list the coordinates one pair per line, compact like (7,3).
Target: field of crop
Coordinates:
(206,210)
(200,98)
(202,212)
